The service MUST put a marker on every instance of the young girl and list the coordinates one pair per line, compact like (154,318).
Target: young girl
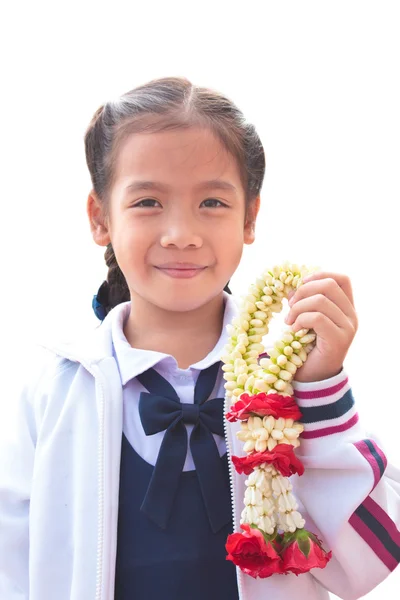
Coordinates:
(114,480)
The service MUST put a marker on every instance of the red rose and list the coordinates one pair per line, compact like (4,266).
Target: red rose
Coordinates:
(277,405)
(305,552)
(282,457)
(240,410)
(252,553)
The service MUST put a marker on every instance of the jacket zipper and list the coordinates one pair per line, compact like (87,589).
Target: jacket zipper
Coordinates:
(233,492)
(100,475)
(100,468)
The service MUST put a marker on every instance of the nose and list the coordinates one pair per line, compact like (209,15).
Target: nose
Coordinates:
(180,231)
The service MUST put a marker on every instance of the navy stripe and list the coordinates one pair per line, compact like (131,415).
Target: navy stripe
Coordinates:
(379,530)
(313,414)
(376,456)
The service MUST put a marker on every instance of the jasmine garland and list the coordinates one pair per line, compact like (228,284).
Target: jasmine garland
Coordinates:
(261,397)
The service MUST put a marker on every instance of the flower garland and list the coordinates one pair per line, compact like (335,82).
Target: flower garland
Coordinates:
(274,539)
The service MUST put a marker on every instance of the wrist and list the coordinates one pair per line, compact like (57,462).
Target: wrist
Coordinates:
(321,376)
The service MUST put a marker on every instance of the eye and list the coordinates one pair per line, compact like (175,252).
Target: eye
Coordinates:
(214,200)
(145,200)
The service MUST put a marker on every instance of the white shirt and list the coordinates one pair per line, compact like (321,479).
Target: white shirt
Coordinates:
(134,361)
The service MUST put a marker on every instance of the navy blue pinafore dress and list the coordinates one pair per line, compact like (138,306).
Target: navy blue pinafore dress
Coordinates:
(171,542)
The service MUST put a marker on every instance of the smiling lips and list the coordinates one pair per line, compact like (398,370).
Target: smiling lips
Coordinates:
(180,265)
(181,270)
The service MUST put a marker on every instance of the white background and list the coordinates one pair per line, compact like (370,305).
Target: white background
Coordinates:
(320,80)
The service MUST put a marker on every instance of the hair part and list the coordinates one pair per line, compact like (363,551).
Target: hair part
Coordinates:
(160,105)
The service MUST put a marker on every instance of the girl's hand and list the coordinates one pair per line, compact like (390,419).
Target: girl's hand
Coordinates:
(324,303)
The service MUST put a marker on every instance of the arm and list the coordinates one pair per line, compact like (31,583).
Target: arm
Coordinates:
(20,415)
(349,495)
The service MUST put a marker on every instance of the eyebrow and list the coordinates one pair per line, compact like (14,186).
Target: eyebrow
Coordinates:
(213,184)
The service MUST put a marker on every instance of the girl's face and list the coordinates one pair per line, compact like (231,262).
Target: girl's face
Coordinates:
(190,209)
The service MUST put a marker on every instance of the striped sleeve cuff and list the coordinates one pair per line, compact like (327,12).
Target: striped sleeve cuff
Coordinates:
(376,458)
(370,520)
(327,406)
(378,530)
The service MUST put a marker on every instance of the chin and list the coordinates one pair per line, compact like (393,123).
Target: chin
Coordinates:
(184,302)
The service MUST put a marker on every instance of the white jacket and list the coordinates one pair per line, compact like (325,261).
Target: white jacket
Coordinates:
(59,485)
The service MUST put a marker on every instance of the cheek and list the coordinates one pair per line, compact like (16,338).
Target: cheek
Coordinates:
(135,232)
(230,243)
(130,245)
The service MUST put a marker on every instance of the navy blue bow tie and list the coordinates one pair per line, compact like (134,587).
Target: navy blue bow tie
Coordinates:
(161,410)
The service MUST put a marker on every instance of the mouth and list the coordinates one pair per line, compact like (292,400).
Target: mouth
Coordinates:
(181,272)
(180,265)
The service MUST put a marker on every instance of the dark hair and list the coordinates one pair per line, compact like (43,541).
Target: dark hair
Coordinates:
(160,105)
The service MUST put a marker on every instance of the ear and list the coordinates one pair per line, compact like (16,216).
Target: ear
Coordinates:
(249,233)
(98,224)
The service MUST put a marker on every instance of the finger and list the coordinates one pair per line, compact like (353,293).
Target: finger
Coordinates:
(319,304)
(343,282)
(331,290)
(324,327)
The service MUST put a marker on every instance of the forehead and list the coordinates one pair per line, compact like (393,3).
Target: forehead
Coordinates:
(180,157)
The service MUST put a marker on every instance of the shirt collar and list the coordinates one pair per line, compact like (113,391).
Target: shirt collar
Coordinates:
(133,361)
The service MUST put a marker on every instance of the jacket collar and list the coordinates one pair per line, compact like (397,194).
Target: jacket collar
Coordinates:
(97,344)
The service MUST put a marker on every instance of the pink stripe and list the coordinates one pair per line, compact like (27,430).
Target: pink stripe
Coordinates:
(323,393)
(373,542)
(309,435)
(383,518)
(365,451)
(381,454)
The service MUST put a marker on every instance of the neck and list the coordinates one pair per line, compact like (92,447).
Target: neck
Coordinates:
(150,327)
